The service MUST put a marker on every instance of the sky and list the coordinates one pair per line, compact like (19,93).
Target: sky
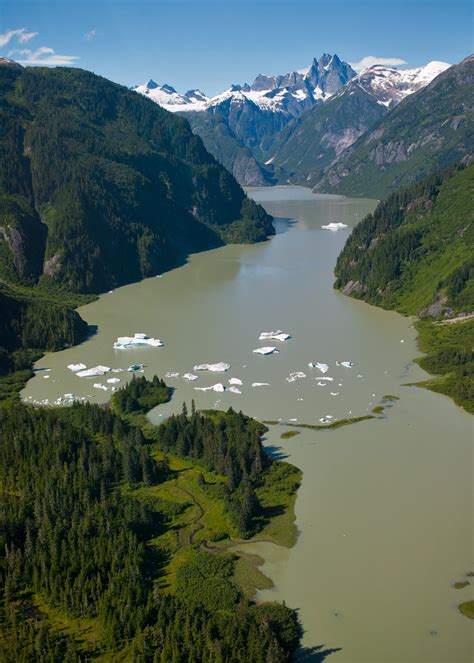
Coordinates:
(210,44)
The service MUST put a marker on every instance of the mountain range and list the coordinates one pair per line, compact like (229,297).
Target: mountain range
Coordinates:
(246,126)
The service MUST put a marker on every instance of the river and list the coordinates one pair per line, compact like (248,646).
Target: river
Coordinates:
(385,507)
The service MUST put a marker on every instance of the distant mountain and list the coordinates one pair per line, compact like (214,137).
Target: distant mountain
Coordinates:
(426,131)
(98,187)
(312,142)
(255,113)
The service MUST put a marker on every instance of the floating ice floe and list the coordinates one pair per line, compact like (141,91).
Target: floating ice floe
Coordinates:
(139,338)
(328,379)
(346,364)
(133,368)
(334,226)
(360,376)
(235,390)
(274,335)
(322,384)
(219,387)
(76,367)
(297,375)
(45,377)
(235,381)
(190,377)
(260,384)
(334,393)
(113,380)
(267,350)
(327,419)
(171,374)
(294,419)
(220,367)
(93,372)
(402,340)
(322,367)
(117,370)
(99,385)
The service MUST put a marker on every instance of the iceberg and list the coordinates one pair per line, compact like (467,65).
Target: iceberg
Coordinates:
(235,381)
(260,384)
(189,376)
(171,374)
(334,393)
(334,226)
(235,390)
(219,387)
(322,384)
(324,378)
(99,385)
(274,335)
(267,350)
(220,367)
(326,419)
(320,366)
(139,338)
(113,380)
(76,367)
(93,372)
(298,375)
(347,364)
(135,367)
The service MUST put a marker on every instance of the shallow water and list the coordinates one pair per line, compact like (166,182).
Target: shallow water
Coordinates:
(385,507)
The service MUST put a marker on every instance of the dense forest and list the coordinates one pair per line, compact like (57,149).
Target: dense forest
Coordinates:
(76,527)
(100,187)
(415,254)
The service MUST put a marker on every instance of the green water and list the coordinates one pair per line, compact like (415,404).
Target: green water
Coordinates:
(385,508)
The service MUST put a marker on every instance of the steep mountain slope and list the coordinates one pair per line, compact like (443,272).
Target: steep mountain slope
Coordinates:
(413,251)
(415,254)
(425,132)
(224,145)
(99,187)
(254,114)
(313,141)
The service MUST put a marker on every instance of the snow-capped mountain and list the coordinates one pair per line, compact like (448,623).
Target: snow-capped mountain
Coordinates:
(389,85)
(289,94)
(254,115)
(167,97)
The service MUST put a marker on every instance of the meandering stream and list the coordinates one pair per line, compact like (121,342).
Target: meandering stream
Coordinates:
(385,507)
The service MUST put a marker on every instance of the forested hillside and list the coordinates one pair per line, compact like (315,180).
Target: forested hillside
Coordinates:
(415,254)
(100,187)
(86,537)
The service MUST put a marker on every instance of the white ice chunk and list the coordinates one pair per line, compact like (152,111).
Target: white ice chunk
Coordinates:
(92,372)
(235,390)
(260,384)
(171,374)
(322,384)
(267,350)
(334,393)
(117,370)
(347,364)
(190,377)
(324,378)
(45,377)
(99,385)
(235,381)
(334,226)
(220,367)
(297,375)
(320,366)
(219,387)
(274,335)
(139,338)
(113,380)
(76,367)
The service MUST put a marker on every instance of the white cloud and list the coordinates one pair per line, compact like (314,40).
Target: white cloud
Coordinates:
(92,34)
(370,60)
(44,56)
(21,34)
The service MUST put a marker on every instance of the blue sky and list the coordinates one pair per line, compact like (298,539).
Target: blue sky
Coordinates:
(212,43)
